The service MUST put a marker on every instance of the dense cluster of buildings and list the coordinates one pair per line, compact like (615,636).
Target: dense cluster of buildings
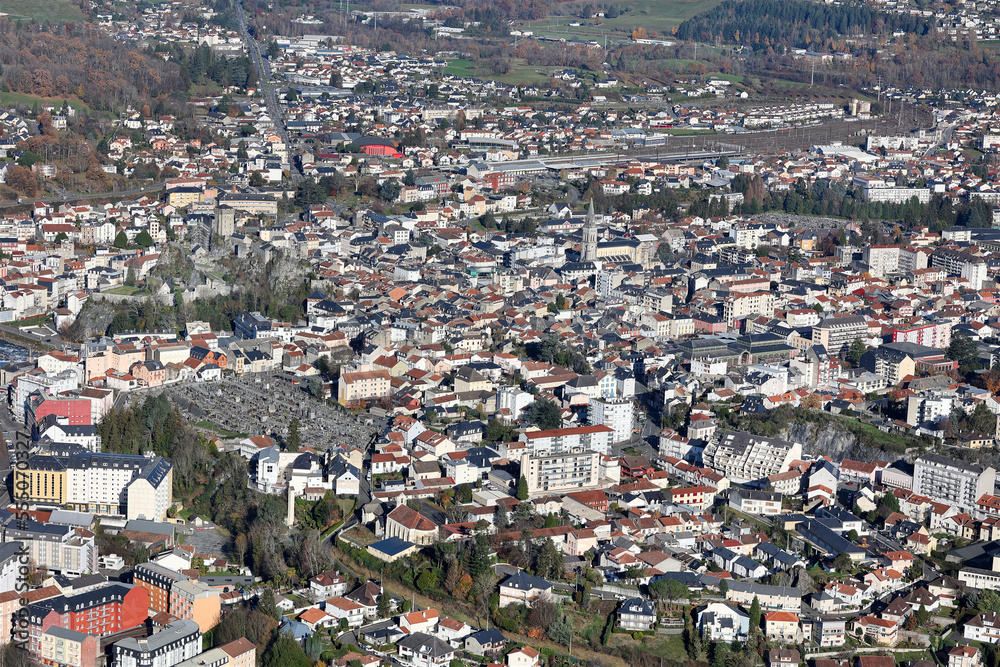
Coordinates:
(519,353)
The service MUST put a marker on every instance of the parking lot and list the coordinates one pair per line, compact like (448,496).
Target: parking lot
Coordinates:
(206,540)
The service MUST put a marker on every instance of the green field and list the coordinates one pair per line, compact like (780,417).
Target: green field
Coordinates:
(520,73)
(218,429)
(126,290)
(6,99)
(53,11)
(659,16)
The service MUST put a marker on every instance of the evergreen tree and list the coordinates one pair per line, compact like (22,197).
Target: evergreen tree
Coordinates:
(522,489)
(121,240)
(502,518)
(267,606)
(479,558)
(144,240)
(609,628)
(294,438)
(285,651)
(755,614)
(856,351)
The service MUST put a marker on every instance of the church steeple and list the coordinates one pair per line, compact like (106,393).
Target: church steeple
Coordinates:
(589,252)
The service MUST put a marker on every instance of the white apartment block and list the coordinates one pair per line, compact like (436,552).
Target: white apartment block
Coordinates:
(882,259)
(961,264)
(951,481)
(837,333)
(933,334)
(896,195)
(920,409)
(617,413)
(562,471)
(740,306)
(597,438)
(56,547)
(743,457)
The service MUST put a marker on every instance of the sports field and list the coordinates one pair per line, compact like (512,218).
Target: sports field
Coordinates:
(53,11)
(659,16)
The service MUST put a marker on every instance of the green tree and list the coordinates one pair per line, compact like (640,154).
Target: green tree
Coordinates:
(285,651)
(988,602)
(60,237)
(754,615)
(669,589)
(121,240)
(723,588)
(497,431)
(256,179)
(887,504)
(463,493)
(843,563)
(427,581)
(609,628)
(963,350)
(144,240)
(502,517)
(294,439)
(522,489)
(545,413)
(561,631)
(389,191)
(719,654)
(383,605)
(267,606)
(855,352)
(479,558)
(922,616)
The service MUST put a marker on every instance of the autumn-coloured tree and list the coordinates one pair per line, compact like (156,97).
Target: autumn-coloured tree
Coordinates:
(45,124)
(989,380)
(639,33)
(22,180)
(812,401)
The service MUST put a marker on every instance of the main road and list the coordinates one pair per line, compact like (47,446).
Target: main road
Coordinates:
(274,109)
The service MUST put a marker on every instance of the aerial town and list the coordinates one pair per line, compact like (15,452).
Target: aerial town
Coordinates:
(500,336)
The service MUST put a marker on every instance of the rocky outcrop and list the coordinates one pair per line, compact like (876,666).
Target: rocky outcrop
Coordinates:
(825,440)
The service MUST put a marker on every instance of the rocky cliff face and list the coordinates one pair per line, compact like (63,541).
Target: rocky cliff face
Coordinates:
(827,440)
